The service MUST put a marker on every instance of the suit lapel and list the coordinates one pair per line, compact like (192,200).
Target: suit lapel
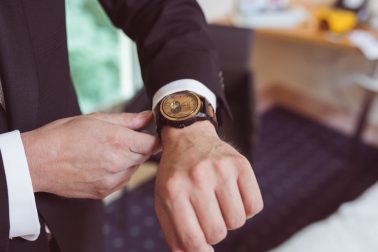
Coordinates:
(18,66)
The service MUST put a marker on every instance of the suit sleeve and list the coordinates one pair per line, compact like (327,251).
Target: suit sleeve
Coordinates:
(173,42)
(4,209)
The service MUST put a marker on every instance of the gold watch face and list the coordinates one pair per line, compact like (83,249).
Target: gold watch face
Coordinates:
(180,106)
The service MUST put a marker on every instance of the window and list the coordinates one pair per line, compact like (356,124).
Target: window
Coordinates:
(102,60)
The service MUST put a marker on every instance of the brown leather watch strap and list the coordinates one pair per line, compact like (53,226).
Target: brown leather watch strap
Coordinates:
(206,112)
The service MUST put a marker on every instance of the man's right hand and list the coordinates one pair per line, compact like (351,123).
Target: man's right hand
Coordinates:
(88,156)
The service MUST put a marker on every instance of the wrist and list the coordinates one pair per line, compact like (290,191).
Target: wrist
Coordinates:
(200,128)
(30,152)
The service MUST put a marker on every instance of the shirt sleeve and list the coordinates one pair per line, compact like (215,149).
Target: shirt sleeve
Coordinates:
(185,85)
(23,215)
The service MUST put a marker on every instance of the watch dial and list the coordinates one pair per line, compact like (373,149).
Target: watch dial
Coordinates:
(180,106)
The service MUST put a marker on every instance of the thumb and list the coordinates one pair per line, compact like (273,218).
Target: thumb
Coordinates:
(129,120)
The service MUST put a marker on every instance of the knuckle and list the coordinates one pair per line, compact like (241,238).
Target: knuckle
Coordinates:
(107,185)
(254,204)
(116,166)
(250,209)
(114,141)
(198,175)
(99,195)
(236,221)
(217,235)
(103,189)
(193,242)
(219,164)
(177,250)
(115,162)
(242,162)
(112,169)
(171,189)
(256,207)
(223,170)
(94,196)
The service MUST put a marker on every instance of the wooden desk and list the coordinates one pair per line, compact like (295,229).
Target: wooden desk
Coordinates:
(307,32)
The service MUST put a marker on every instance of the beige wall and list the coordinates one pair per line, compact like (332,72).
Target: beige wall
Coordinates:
(322,73)
(216,8)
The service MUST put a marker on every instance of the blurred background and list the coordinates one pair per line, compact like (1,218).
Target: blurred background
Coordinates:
(301,78)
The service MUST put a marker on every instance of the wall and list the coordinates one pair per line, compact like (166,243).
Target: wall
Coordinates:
(216,8)
(324,74)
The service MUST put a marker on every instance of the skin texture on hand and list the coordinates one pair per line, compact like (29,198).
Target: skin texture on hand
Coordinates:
(204,187)
(88,156)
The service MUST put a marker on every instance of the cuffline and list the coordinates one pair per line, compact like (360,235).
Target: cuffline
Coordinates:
(23,215)
(185,85)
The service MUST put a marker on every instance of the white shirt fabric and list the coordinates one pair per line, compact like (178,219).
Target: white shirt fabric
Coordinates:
(185,85)
(23,215)
(352,228)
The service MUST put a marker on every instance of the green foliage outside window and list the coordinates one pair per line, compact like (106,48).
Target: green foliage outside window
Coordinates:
(94,55)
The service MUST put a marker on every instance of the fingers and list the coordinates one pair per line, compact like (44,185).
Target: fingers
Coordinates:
(189,232)
(142,143)
(120,179)
(137,142)
(131,159)
(114,182)
(209,215)
(231,204)
(168,228)
(128,120)
(250,192)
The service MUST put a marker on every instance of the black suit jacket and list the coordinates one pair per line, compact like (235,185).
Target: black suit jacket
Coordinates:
(173,43)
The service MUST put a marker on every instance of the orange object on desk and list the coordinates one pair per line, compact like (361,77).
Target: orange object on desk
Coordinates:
(307,32)
(337,20)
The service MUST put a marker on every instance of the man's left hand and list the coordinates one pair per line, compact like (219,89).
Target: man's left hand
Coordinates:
(204,187)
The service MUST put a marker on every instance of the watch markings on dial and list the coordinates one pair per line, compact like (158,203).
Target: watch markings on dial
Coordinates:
(180,106)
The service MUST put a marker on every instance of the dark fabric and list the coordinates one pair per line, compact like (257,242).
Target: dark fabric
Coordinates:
(38,90)
(239,89)
(4,209)
(234,46)
(41,244)
(173,44)
(304,172)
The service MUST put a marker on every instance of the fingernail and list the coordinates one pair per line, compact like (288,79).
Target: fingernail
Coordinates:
(145,113)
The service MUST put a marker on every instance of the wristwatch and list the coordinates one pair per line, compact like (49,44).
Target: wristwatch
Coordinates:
(182,109)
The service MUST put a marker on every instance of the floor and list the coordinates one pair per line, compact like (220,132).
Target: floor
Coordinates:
(305,172)
(340,120)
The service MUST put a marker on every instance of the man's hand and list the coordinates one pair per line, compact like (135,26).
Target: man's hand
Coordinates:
(88,156)
(204,187)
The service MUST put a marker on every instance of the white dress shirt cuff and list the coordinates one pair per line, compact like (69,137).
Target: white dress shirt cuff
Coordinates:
(185,85)
(23,215)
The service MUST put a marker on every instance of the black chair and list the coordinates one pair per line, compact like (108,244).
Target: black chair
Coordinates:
(234,47)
